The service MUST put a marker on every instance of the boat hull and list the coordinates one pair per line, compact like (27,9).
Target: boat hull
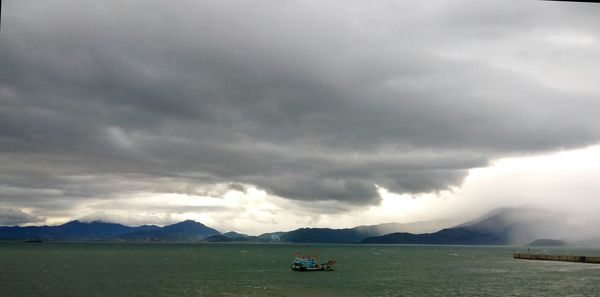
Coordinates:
(307,269)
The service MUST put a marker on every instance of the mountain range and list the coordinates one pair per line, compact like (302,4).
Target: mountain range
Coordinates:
(502,226)
(97,230)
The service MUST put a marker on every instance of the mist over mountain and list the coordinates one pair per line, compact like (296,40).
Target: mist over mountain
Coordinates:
(520,225)
(356,234)
(414,227)
(501,226)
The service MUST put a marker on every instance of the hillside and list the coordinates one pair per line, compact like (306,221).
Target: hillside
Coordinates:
(349,235)
(501,226)
(184,231)
(97,230)
(74,230)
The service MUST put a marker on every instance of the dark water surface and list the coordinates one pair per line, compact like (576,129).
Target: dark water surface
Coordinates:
(118,269)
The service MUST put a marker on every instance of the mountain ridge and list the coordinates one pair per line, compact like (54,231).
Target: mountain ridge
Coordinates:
(500,226)
(105,231)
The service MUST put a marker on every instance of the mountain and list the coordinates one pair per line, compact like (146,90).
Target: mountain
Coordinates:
(501,226)
(523,225)
(235,235)
(97,230)
(356,234)
(74,230)
(415,227)
(445,236)
(184,231)
(347,235)
(326,235)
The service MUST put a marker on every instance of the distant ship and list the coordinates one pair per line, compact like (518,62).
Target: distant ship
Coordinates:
(33,240)
(311,263)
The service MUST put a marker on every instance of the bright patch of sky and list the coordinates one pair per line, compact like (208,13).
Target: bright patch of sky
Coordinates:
(565,182)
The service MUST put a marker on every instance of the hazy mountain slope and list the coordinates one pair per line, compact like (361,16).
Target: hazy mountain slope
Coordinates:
(445,236)
(357,234)
(414,227)
(501,226)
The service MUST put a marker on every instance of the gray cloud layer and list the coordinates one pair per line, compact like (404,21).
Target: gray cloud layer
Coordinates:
(11,217)
(307,100)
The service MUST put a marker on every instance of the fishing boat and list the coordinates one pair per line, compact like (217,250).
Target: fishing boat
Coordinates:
(311,263)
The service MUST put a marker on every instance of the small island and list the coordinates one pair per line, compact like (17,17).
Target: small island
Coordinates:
(547,242)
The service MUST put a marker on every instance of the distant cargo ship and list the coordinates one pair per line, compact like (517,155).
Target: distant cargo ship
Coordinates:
(311,263)
(33,240)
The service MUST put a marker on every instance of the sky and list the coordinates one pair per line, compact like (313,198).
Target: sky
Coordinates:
(261,116)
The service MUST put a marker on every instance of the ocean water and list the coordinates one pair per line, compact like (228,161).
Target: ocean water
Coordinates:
(121,269)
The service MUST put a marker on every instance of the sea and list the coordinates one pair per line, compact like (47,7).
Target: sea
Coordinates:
(232,269)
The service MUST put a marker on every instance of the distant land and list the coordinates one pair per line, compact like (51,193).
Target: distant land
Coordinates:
(547,242)
(499,227)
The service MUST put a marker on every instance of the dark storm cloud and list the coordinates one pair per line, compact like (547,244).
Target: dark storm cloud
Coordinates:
(307,100)
(11,217)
